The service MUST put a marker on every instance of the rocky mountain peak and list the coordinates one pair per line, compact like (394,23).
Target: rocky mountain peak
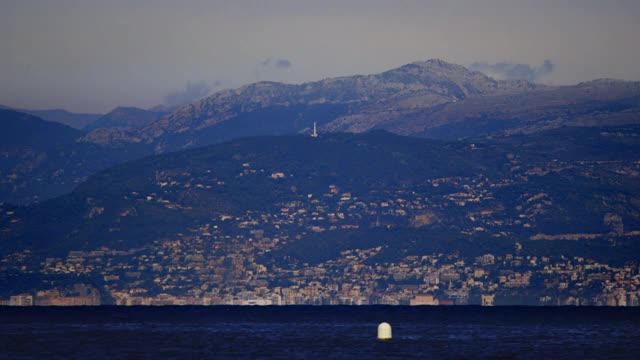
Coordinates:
(411,99)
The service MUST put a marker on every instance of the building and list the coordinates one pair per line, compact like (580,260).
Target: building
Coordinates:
(487,299)
(21,300)
(423,300)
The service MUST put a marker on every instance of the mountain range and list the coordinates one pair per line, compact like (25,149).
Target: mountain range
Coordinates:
(432,99)
(428,178)
(268,108)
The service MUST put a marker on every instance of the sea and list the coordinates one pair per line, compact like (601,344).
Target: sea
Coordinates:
(319,332)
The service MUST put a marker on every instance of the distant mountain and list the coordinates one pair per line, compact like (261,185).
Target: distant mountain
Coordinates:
(429,98)
(268,108)
(20,130)
(595,103)
(41,159)
(553,187)
(433,99)
(125,118)
(74,120)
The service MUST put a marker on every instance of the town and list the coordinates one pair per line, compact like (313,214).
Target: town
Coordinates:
(230,259)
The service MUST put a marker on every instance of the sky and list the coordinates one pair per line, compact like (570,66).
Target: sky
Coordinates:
(94,55)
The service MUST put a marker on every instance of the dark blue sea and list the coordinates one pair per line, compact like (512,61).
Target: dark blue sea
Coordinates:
(331,332)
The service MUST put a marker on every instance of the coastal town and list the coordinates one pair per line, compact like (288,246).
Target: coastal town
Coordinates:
(175,278)
(235,260)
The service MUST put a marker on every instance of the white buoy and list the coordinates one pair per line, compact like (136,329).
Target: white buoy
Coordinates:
(384,331)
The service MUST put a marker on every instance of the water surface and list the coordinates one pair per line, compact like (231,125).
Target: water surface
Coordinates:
(329,332)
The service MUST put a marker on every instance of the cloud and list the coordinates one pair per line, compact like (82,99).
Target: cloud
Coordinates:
(280,64)
(283,64)
(511,71)
(271,68)
(266,62)
(191,92)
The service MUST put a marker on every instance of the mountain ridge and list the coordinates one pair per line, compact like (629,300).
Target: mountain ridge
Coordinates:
(125,117)
(432,99)
(422,98)
(43,159)
(159,195)
(441,81)
(75,120)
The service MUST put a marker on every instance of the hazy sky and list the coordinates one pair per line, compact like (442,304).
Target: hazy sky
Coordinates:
(92,55)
